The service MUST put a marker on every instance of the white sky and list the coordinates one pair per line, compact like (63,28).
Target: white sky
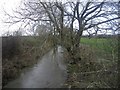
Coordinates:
(8,5)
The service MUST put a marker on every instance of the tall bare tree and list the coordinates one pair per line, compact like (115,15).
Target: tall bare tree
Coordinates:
(98,16)
(90,17)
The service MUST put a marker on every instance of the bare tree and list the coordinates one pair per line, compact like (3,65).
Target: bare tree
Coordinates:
(96,16)
(90,16)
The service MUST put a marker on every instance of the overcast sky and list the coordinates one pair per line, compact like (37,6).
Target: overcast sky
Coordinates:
(8,5)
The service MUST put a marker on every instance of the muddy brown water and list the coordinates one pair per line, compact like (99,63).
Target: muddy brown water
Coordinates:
(49,72)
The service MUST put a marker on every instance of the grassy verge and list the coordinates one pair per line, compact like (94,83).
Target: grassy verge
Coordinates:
(98,65)
(31,49)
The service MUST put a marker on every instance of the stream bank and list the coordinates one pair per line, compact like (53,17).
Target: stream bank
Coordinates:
(49,72)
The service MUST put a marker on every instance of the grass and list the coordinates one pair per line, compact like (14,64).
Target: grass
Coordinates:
(101,43)
(98,65)
(105,47)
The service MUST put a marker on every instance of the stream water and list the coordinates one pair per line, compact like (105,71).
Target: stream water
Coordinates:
(49,72)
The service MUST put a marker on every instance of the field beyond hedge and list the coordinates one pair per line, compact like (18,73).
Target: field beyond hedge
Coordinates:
(103,46)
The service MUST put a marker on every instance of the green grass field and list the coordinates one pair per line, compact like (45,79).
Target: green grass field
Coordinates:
(103,46)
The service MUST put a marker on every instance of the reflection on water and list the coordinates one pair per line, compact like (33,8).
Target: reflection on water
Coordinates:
(49,72)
